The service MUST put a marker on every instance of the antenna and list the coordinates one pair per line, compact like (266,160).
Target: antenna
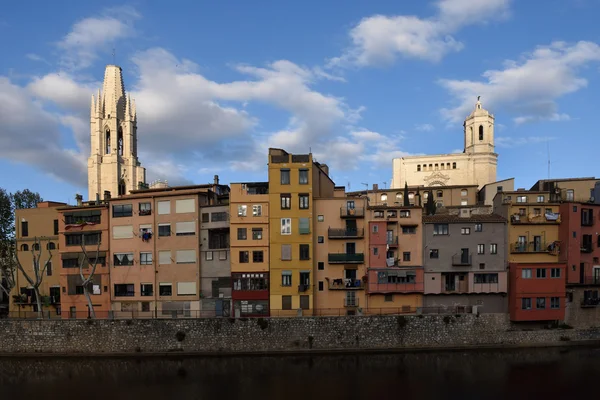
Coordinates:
(385,184)
(548,149)
(348,186)
(114,57)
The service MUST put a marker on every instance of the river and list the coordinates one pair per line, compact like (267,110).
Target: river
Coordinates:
(511,374)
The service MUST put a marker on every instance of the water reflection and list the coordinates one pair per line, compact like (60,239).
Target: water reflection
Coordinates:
(551,373)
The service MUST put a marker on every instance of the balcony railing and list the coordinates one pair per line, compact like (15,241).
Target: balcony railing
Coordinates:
(303,288)
(529,248)
(487,288)
(351,302)
(590,302)
(409,287)
(358,212)
(334,233)
(282,159)
(588,280)
(393,241)
(587,248)
(345,258)
(531,219)
(346,284)
(461,260)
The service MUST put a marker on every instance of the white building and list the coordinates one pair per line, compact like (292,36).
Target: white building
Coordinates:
(475,166)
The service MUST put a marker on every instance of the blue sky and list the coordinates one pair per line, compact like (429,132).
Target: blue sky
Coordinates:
(358,83)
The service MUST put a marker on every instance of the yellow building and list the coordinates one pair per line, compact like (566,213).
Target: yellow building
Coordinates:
(294,182)
(340,248)
(39,223)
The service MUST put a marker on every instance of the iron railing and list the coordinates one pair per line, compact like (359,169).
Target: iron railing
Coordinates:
(345,258)
(357,212)
(392,241)
(529,248)
(335,233)
(346,284)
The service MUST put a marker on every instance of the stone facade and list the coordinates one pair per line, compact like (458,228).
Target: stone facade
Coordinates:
(226,335)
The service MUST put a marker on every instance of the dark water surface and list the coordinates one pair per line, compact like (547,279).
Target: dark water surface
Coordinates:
(511,374)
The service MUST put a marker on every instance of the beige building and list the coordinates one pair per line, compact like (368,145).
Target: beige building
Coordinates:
(488,192)
(444,196)
(475,166)
(113,165)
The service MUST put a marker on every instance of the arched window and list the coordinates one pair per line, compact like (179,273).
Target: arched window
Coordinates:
(440,194)
(121,187)
(443,165)
(426,194)
(107,141)
(398,196)
(463,192)
(418,168)
(120,141)
(430,167)
(384,197)
(411,196)
(24,247)
(35,246)
(51,246)
(448,165)
(480,132)
(436,167)
(453,165)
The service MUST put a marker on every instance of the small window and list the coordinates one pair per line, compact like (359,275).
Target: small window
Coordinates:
(285,176)
(478,227)
(303,201)
(286,302)
(146,258)
(388,298)
(440,229)
(375,251)
(24,228)
(122,210)
(493,248)
(418,168)
(56,227)
(286,226)
(286,201)
(481,265)
(256,210)
(257,233)
(521,199)
(49,268)
(244,257)
(321,265)
(257,256)
(406,256)
(404,213)
(164,207)
(375,229)
(209,256)
(24,247)
(321,239)
(286,252)
(36,246)
(541,272)
(51,246)
(409,230)
(555,273)
(205,217)
(320,286)
(540,199)
(570,195)
(304,252)
(241,233)
(526,303)
(303,177)
(526,273)
(242,210)
(554,303)
(320,218)
(440,194)
(453,165)
(464,192)
(465,231)
(164,230)
(146,209)
(286,278)
(537,211)
(384,197)
(165,289)
(481,249)
(434,253)
(540,303)
(480,132)
(146,289)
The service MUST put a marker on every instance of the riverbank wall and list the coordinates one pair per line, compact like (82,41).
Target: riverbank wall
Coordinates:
(273,335)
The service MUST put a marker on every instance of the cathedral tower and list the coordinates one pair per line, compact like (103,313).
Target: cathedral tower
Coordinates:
(479,131)
(113,164)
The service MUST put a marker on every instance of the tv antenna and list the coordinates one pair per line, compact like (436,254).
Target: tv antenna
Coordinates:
(385,184)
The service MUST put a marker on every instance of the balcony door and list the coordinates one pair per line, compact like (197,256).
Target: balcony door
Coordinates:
(351,225)
(537,243)
(464,256)
(390,237)
(522,243)
(350,248)
(350,205)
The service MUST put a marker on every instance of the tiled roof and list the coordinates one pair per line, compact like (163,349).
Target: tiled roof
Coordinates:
(455,219)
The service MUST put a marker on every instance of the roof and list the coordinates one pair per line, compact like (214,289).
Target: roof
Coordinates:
(493,183)
(558,180)
(457,219)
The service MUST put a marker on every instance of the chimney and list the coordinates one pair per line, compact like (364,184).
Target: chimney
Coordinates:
(216,179)
(325,168)
(79,199)
(106,195)
(375,186)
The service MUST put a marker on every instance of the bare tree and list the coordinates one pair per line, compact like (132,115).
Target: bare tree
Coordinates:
(39,270)
(87,281)
(8,267)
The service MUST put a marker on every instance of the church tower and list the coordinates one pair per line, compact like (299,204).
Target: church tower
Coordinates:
(479,145)
(113,165)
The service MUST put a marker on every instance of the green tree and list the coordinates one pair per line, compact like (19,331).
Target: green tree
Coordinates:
(7,218)
(26,199)
(406,200)
(430,205)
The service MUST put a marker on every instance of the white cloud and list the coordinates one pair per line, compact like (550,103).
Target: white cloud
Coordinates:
(424,127)
(380,39)
(504,141)
(89,36)
(528,89)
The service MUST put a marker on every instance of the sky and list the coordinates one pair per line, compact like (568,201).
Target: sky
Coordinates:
(356,83)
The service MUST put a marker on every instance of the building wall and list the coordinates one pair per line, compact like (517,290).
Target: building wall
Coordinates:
(41,223)
(578,313)
(488,192)
(443,195)
(486,303)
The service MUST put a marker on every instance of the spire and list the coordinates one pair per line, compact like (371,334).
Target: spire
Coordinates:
(99,103)
(93,107)
(127,110)
(113,92)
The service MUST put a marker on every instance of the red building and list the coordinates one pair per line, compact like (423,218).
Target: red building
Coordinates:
(537,291)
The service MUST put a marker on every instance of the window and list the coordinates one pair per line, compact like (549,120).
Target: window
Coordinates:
(146,209)
(223,255)
(440,194)
(258,256)
(465,231)
(304,226)
(404,213)
(24,247)
(35,246)
(453,165)
(406,256)
(481,249)
(375,251)
(286,252)
(286,201)
(257,233)
(205,217)
(481,265)
(56,227)
(526,273)
(320,286)
(242,209)
(409,230)
(388,298)
(88,238)
(49,268)
(244,257)
(286,302)
(185,206)
(164,257)
(305,278)
(146,258)
(440,229)
(418,168)
(303,201)
(304,252)
(285,176)
(185,228)
(378,214)
(186,288)
(493,248)
(124,290)
(570,195)
(286,278)
(540,199)
(522,211)
(164,207)
(120,259)
(51,246)
(122,210)
(521,199)
(241,234)
(541,272)
(526,303)
(218,216)
(165,289)
(320,239)
(303,177)
(122,232)
(486,278)
(464,192)
(320,218)
(537,211)
(375,228)
(540,303)
(164,229)
(384,197)
(434,253)
(256,210)
(146,289)
(286,226)
(209,256)
(186,256)
(478,227)
(554,272)
(555,303)
(321,265)
(574,208)
(464,202)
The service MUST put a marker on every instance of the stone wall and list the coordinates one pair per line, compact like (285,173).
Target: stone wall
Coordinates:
(578,316)
(272,335)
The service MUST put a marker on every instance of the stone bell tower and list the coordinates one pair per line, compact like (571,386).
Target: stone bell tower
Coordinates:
(479,145)
(113,163)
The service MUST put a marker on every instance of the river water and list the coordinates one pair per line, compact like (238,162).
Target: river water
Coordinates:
(510,374)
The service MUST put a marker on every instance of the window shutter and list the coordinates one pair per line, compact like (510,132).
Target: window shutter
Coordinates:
(286,251)
(185,206)
(164,257)
(123,232)
(164,207)
(186,256)
(186,288)
(185,227)
(304,225)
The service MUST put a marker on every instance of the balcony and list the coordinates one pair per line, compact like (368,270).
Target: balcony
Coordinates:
(334,233)
(529,248)
(587,248)
(280,159)
(533,219)
(351,302)
(590,302)
(460,260)
(346,212)
(588,280)
(303,288)
(408,287)
(393,241)
(487,288)
(345,258)
(346,284)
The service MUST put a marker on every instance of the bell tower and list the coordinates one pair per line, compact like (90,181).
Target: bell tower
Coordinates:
(113,163)
(479,130)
